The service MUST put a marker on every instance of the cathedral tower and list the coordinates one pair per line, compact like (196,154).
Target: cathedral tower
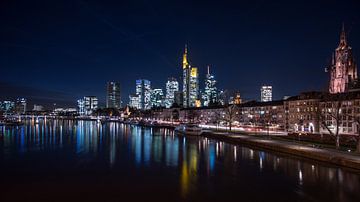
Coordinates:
(343,70)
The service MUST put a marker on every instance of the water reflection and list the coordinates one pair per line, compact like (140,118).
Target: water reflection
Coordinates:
(194,160)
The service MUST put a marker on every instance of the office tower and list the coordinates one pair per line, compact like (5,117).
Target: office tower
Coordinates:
(190,83)
(134,101)
(143,90)
(20,106)
(157,97)
(210,93)
(113,99)
(172,86)
(343,70)
(266,93)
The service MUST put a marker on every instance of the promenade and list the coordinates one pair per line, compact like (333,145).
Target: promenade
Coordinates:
(339,158)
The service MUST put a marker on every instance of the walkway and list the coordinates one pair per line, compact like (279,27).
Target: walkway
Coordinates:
(339,158)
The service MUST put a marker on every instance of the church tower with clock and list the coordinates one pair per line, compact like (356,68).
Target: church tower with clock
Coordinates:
(343,69)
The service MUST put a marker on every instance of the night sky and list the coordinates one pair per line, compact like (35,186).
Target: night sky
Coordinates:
(59,51)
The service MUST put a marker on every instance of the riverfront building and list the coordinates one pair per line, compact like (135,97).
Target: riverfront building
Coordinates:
(87,105)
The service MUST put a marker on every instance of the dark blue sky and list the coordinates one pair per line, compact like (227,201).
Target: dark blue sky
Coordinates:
(67,49)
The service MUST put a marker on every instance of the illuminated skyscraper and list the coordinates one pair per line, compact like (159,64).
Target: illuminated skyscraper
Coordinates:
(157,97)
(113,99)
(210,94)
(266,93)
(343,70)
(143,90)
(172,86)
(190,83)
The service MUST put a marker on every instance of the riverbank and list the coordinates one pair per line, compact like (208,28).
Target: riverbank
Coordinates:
(331,156)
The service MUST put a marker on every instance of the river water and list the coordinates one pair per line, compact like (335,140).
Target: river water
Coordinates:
(62,160)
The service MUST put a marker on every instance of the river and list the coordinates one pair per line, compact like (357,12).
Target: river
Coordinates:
(63,160)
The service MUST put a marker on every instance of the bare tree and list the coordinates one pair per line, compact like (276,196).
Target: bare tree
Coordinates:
(231,113)
(216,117)
(356,119)
(331,116)
(267,120)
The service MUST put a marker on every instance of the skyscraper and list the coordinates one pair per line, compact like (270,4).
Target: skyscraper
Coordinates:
(343,70)
(157,97)
(190,83)
(113,99)
(266,93)
(134,101)
(143,90)
(210,94)
(172,86)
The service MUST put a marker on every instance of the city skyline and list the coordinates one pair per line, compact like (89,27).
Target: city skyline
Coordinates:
(236,61)
(107,100)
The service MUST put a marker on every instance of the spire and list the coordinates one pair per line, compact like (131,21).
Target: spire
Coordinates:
(185,60)
(343,41)
(208,69)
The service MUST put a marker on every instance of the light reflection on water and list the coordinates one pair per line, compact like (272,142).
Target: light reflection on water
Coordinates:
(199,163)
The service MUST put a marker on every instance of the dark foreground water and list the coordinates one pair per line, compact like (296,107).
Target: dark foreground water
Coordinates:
(87,161)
